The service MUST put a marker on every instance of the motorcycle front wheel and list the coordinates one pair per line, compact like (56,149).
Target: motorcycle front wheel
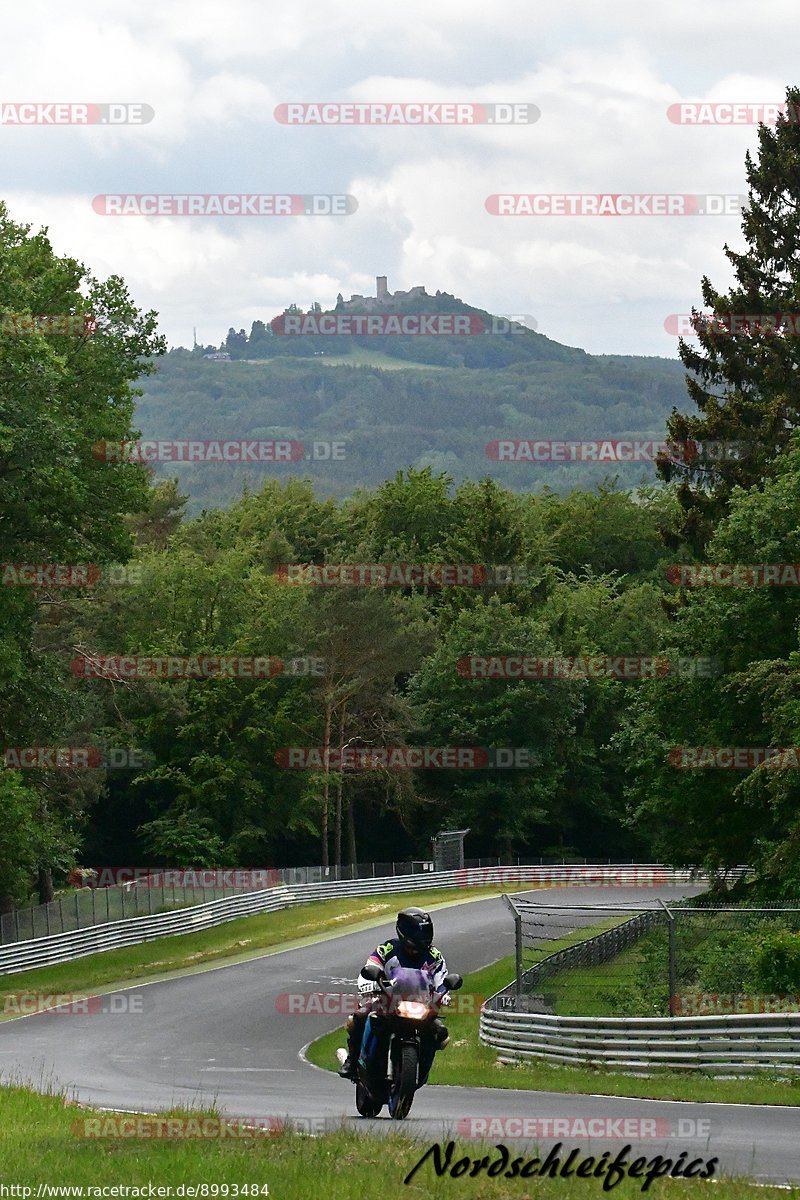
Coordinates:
(366,1104)
(405,1082)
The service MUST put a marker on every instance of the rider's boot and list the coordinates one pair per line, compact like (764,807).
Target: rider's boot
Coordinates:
(355,1031)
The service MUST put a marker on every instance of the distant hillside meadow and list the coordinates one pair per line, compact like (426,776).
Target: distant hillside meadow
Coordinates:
(365,407)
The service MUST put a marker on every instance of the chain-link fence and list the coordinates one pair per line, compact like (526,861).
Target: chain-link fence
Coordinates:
(692,957)
(88,906)
(95,906)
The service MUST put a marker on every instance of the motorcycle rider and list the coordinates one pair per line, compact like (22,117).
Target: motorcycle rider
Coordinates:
(412,947)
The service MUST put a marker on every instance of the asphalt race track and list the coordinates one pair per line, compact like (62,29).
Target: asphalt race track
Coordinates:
(220,1038)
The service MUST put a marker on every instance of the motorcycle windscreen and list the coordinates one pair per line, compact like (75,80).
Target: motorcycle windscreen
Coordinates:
(412,990)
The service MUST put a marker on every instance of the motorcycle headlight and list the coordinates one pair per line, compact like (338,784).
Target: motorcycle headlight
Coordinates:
(415,1010)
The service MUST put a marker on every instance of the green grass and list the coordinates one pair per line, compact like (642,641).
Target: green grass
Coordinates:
(361,356)
(468,1063)
(235,941)
(600,991)
(39,1145)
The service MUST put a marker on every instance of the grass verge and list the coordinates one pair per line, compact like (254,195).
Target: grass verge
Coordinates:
(603,990)
(468,1063)
(39,1146)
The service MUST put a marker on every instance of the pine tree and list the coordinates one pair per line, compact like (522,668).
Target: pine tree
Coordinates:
(745,381)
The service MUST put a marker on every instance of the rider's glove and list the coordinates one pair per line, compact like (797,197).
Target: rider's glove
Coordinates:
(447,999)
(367,988)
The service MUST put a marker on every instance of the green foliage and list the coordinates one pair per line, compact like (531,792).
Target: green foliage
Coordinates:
(745,385)
(23,840)
(183,840)
(777,963)
(390,420)
(61,395)
(417,485)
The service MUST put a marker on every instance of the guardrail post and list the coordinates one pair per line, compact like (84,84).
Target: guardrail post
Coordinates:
(517,943)
(671,957)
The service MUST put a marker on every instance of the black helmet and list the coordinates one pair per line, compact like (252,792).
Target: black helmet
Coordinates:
(415,930)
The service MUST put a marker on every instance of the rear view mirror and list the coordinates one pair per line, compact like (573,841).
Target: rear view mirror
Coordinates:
(372,971)
(453,982)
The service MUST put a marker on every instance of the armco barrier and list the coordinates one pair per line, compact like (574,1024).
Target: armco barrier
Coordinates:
(740,1044)
(21,956)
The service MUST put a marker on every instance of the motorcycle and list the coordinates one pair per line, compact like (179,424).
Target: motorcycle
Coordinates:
(403,1017)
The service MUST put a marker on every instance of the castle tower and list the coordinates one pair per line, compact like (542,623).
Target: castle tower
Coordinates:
(382,288)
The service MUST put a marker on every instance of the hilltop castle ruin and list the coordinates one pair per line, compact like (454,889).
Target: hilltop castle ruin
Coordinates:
(383,298)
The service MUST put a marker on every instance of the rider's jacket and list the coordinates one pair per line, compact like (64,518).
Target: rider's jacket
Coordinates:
(391,954)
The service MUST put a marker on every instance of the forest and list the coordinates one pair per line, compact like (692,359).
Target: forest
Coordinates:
(191,765)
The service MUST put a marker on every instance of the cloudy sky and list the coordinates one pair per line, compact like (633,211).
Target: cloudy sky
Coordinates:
(602,76)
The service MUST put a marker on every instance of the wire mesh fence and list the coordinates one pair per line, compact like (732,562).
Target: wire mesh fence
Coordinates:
(95,906)
(692,957)
(148,893)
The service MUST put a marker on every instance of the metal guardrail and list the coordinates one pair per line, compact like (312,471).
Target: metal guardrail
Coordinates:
(142,893)
(739,1043)
(39,952)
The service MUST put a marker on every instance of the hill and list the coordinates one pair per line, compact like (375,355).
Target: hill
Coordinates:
(394,402)
(391,419)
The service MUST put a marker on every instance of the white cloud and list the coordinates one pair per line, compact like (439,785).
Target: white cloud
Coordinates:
(602,78)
